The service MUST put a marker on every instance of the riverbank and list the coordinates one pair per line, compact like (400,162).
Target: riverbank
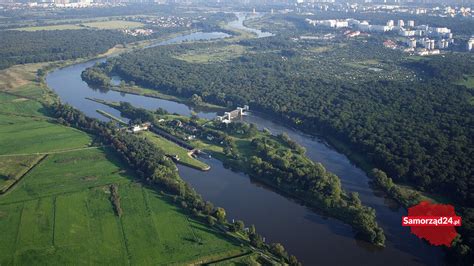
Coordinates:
(282,163)
(311,236)
(359,160)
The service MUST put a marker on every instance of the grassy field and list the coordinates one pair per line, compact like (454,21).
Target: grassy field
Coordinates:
(51,27)
(12,168)
(61,213)
(114,24)
(173,149)
(216,54)
(18,76)
(106,24)
(24,135)
(250,259)
(467,81)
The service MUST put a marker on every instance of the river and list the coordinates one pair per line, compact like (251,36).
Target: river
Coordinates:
(312,237)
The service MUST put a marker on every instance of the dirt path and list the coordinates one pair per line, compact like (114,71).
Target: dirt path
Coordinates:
(53,152)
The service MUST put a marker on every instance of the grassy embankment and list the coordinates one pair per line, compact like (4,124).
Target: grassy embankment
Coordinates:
(60,212)
(172,148)
(138,90)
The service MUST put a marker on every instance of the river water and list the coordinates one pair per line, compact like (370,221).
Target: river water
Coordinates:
(312,237)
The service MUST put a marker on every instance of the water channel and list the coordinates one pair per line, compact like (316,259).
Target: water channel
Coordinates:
(312,237)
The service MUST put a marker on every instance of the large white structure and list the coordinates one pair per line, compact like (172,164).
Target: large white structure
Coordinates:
(411,23)
(232,115)
(333,23)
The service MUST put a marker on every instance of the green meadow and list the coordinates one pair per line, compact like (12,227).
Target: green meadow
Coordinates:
(61,213)
(13,168)
(25,135)
(172,148)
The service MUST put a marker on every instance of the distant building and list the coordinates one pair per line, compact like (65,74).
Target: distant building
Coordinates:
(401,23)
(140,127)
(232,115)
(442,43)
(379,28)
(406,33)
(332,23)
(470,44)
(411,23)
(427,43)
(411,43)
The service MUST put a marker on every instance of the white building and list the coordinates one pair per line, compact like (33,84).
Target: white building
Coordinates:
(390,23)
(379,28)
(411,23)
(401,23)
(443,43)
(470,44)
(332,23)
(427,43)
(411,43)
(229,116)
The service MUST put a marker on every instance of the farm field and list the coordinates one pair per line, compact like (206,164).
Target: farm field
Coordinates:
(106,24)
(13,167)
(25,135)
(19,106)
(114,24)
(61,213)
(173,149)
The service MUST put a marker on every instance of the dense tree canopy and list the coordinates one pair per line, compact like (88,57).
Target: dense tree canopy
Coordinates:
(19,47)
(417,130)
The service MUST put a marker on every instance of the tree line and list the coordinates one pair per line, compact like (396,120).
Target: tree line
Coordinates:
(153,167)
(283,165)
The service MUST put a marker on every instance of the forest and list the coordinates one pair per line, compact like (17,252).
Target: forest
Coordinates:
(418,130)
(19,47)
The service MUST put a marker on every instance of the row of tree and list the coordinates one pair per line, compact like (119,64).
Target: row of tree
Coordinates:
(153,167)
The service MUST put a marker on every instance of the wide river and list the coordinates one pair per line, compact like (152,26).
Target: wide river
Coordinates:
(314,238)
